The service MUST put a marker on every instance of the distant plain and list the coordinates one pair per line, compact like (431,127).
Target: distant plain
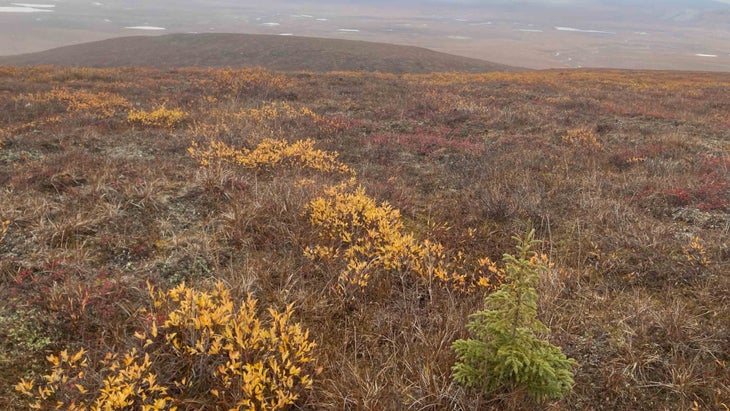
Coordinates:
(681,36)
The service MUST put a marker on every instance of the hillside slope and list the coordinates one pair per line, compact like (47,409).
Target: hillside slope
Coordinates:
(246,50)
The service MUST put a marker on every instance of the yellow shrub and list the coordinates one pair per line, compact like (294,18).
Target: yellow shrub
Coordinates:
(277,110)
(196,347)
(161,117)
(268,154)
(112,384)
(250,363)
(273,116)
(367,237)
(101,104)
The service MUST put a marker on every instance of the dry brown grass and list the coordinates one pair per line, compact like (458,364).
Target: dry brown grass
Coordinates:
(634,210)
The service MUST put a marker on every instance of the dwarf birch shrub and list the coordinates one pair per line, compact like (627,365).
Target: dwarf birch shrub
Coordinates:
(196,347)
(507,351)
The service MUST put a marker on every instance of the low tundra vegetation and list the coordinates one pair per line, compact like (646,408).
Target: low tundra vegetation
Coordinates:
(247,239)
(192,347)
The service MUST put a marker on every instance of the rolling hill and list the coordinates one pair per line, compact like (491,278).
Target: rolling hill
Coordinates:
(287,53)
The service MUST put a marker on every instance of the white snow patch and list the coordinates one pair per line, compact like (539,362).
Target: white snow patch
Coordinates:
(145,28)
(322,19)
(270,24)
(349,30)
(33,5)
(560,28)
(705,55)
(23,10)
(286,34)
(107,21)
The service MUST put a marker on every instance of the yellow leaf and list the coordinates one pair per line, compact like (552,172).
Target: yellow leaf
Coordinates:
(53,360)
(76,357)
(24,386)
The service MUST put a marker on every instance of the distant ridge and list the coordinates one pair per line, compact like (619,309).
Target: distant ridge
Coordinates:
(287,53)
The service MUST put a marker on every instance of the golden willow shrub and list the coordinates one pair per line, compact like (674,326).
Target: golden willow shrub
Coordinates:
(100,104)
(269,153)
(161,117)
(196,347)
(369,238)
(113,383)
